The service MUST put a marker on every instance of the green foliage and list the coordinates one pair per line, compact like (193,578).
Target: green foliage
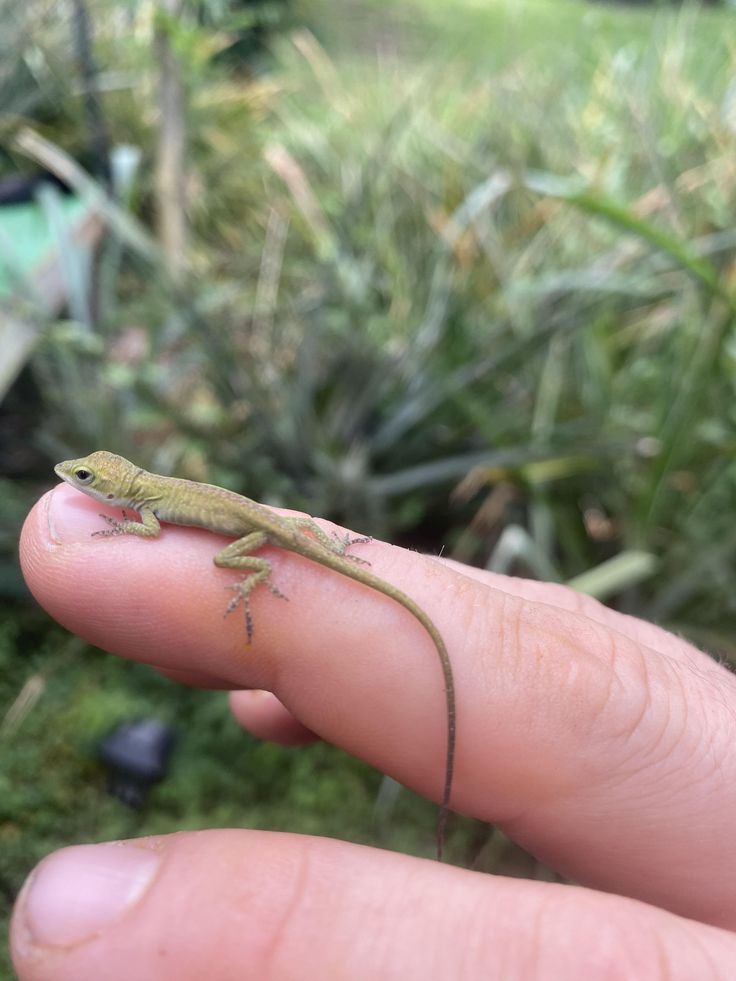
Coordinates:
(33,80)
(389,296)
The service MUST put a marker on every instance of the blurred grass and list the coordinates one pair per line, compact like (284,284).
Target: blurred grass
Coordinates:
(461,275)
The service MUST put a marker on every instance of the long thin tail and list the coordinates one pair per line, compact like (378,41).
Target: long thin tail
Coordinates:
(375,582)
(447,672)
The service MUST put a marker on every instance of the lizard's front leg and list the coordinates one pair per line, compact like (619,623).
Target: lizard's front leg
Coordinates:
(237,555)
(147,527)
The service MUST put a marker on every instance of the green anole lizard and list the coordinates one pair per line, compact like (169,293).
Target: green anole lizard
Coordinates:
(115,481)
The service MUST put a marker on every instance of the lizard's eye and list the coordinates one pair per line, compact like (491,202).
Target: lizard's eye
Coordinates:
(83,476)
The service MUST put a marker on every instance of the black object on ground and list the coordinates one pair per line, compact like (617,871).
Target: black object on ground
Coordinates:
(137,756)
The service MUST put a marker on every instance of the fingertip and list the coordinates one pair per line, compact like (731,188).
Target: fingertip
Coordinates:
(127,595)
(62,517)
(262,715)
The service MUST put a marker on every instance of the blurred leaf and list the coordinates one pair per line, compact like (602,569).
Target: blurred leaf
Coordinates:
(624,217)
(623,571)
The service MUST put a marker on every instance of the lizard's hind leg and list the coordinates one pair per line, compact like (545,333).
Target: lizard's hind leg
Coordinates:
(237,555)
(338,544)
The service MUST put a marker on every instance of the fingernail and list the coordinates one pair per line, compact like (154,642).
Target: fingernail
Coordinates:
(78,892)
(72,516)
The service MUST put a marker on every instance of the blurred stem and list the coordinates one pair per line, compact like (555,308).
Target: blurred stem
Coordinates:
(99,144)
(171,148)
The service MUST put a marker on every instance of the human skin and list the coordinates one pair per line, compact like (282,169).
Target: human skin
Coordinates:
(601,743)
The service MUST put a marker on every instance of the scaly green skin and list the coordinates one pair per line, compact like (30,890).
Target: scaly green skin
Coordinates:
(115,481)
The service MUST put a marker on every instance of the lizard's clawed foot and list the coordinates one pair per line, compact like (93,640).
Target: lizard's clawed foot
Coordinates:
(242,591)
(275,590)
(116,527)
(355,558)
(241,596)
(344,542)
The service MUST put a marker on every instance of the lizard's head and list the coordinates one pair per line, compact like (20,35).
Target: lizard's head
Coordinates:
(102,475)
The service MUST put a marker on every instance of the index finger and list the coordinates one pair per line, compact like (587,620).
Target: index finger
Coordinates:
(598,752)
(323,650)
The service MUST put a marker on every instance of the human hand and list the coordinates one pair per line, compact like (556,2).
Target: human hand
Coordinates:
(601,743)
